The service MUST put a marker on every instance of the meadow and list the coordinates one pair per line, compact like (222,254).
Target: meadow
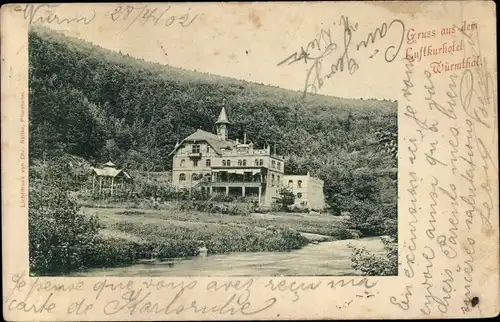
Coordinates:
(173,232)
(68,235)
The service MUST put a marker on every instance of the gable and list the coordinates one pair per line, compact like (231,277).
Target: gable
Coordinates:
(211,139)
(110,172)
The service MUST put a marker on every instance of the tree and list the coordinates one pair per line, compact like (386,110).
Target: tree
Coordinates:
(286,198)
(61,239)
(388,141)
(386,222)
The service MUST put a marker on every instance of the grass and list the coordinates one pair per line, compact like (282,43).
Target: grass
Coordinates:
(321,225)
(217,238)
(131,234)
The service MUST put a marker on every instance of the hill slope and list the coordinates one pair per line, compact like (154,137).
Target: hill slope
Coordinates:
(101,105)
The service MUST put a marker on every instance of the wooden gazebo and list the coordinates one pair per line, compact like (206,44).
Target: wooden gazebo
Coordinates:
(109,178)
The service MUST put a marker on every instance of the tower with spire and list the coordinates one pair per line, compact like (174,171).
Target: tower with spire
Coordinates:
(212,163)
(222,124)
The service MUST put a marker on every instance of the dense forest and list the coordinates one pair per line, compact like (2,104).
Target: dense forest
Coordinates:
(101,105)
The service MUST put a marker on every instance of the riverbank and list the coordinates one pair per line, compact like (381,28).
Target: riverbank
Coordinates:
(130,235)
(325,259)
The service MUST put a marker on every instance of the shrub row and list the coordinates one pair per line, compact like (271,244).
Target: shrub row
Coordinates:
(111,252)
(234,209)
(222,239)
(256,241)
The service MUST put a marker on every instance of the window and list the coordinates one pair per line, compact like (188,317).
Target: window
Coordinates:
(244,163)
(208,148)
(239,163)
(183,163)
(290,183)
(299,183)
(273,164)
(195,163)
(261,162)
(256,162)
(279,181)
(195,177)
(299,195)
(196,148)
(272,179)
(279,165)
(228,163)
(223,163)
(182,177)
(208,162)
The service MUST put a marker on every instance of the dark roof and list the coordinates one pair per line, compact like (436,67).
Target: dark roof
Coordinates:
(110,172)
(109,164)
(212,139)
(222,117)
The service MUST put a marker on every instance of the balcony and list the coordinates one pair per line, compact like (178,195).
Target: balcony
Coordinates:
(233,184)
(195,155)
(238,168)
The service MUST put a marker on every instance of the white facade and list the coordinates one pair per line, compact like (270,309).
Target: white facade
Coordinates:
(308,191)
(214,164)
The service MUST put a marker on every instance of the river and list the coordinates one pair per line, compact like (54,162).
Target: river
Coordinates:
(327,258)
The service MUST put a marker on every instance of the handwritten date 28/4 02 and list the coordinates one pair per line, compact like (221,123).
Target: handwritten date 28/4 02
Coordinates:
(143,14)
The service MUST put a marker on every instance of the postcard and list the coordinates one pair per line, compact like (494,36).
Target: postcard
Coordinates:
(249,161)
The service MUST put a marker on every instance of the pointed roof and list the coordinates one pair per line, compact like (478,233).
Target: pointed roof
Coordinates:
(109,164)
(222,117)
(109,172)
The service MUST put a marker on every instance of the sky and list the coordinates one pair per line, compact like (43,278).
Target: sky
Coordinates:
(248,42)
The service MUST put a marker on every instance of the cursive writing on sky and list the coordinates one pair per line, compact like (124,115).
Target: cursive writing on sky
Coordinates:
(327,56)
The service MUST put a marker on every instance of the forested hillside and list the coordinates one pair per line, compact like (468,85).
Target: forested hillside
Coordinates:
(101,105)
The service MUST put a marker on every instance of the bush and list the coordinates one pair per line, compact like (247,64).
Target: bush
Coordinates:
(111,252)
(286,198)
(367,218)
(379,222)
(174,248)
(209,206)
(341,233)
(377,265)
(390,227)
(222,198)
(287,239)
(60,238)
(297,209)
(239,209)
(262,210)
(185,241)
(249,240)
(130,212)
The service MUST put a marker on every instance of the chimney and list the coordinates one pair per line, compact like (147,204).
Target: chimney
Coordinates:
(245,138)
